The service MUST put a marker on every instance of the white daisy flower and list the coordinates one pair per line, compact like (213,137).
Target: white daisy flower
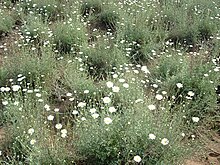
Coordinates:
(50,117)
(63,135)
(107,120)
(112,109)
(92,110)
(95,115)
(5,102)
(195,119)
(31,131)
(15,88)
(115,89)
(159,97)
(58,126)
(47,107)
(179,85)
(106,100)
(63,131)
(165,141)
(191,93)
(75,112)
(151,107)
(137,159)
(109,84)
(69,94)
(125,85)
(81,104)
(86,91)
(152,136)
(33,141)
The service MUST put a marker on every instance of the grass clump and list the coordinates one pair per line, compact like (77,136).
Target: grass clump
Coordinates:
(105,20)
(76,83)
(28,68)
(36,31)
(6,22)
(103,59)
(167,20)
(135,43)
(68,37)
(183,37)
(206,30)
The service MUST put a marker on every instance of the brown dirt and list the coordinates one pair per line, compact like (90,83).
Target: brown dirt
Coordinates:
(2,135)
(192,162)
(212,154)
(7,42)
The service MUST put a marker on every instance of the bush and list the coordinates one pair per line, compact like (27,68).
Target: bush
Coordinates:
(167,21)
(128,135)
(67,38)
(6,22)
(183,36)
(30,67)
(29,146)
(102,59)
(35,31)
(168,67)
(206,29)
(105,20)
(75,80)
(136,44)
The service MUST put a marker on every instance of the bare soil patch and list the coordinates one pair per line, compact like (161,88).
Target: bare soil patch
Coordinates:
(2,135)
(212,153)
(7,42)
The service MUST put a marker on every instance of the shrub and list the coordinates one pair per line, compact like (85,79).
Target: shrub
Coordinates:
(128,135)
(105,20)
(67,38)
(28,146)
(137,42)
(75,80)
(168,67)
(135,35)
(127,96)
(206,29)
(35,31)
(6,22)
(28,66)
(102,59)
(167,21)
(183,36)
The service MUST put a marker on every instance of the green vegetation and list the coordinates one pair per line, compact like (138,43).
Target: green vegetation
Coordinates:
(107,82)
(6,22)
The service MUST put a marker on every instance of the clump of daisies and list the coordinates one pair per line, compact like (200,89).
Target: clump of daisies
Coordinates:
(131,134)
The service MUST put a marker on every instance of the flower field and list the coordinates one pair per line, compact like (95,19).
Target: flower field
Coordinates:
(109,82)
